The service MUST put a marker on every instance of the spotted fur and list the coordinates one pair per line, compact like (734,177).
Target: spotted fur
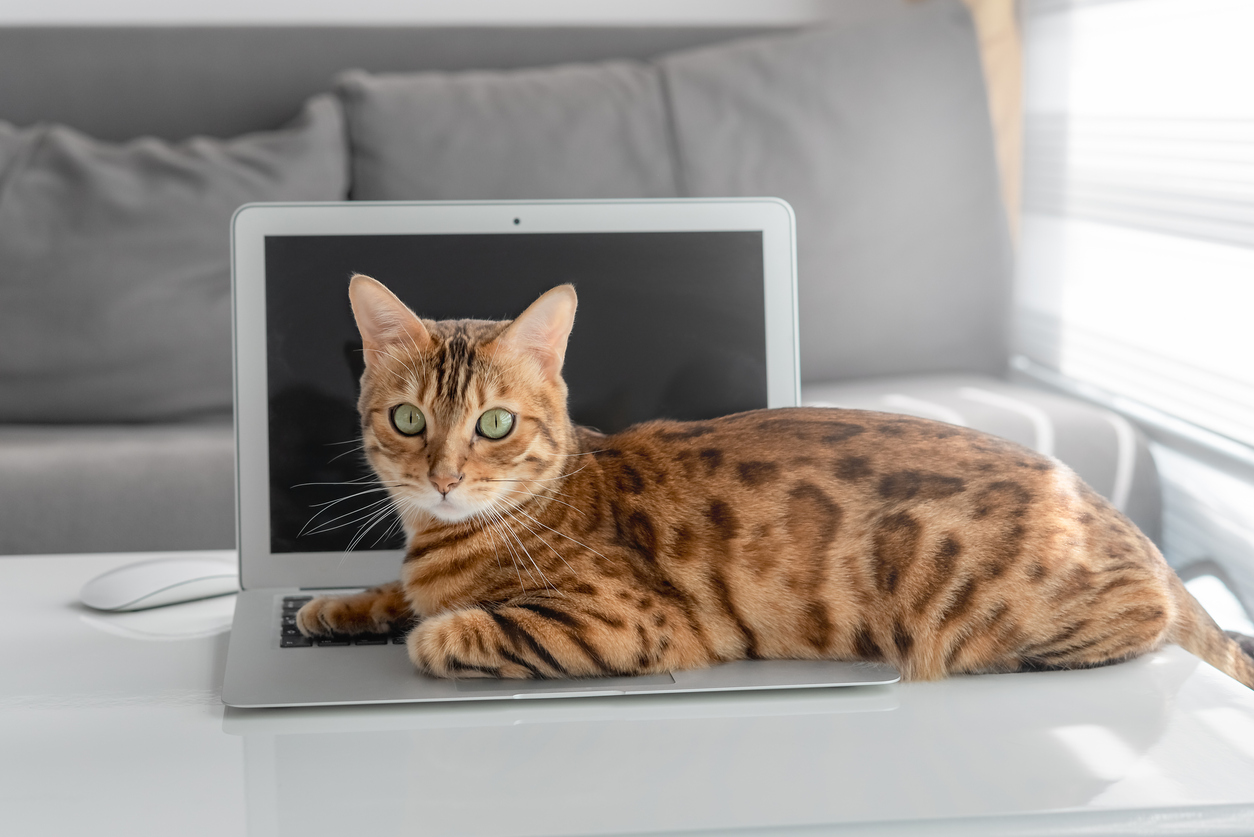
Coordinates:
(802,533)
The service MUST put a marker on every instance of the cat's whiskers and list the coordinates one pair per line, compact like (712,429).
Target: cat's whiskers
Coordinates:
(325,505)
(524,479)
(543,497)
(514,556)
(365,530)
(523,547)
(322,507)
(358,446)
(366,480)
(480,517)
(326,525)
(551,549)
(361,448)
(562,534)
(489,512)
(408,513)
(361,535)
(318,526)
(548,479)
(527,552)
(398,526)
(370,521)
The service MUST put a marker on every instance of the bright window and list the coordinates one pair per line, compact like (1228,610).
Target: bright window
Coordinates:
(1136,256)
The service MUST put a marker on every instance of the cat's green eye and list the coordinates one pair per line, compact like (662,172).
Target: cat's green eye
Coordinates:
(496,424)
(408,419)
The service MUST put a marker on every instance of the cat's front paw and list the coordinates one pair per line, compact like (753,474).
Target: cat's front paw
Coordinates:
(327,615)
(379,610)
(463,644)
(318,617)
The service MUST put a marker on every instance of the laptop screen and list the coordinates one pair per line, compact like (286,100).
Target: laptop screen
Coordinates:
(670,325)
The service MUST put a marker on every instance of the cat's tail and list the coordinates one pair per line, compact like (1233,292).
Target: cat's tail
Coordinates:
(1196,632)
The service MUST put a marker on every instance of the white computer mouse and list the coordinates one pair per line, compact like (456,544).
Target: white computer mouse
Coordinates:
(160,581)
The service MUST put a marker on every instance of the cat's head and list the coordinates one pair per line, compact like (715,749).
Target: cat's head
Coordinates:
(462,416)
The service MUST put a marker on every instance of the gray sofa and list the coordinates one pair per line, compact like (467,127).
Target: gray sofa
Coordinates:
(115,403)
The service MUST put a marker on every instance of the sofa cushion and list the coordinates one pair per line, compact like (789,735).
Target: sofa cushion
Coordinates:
(121,488)
(878,134)
(578,131)
(115,262)
(1105,449)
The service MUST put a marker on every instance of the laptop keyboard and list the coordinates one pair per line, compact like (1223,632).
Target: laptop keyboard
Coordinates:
(291,637)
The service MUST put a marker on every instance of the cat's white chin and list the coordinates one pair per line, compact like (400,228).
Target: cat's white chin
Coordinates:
(450,510)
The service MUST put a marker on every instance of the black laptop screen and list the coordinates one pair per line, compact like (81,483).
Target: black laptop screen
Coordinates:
(670,325)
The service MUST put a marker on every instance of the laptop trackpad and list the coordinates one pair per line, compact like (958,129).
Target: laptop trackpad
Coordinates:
(539,688)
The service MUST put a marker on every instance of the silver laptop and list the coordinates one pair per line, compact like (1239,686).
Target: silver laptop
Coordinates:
(725,271)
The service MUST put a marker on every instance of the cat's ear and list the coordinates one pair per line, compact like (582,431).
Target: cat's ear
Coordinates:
(383,320)
(543,329)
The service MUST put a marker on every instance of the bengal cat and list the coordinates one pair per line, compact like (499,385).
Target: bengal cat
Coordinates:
(539,549)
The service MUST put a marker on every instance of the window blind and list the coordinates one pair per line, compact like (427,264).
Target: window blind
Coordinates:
(1136,257)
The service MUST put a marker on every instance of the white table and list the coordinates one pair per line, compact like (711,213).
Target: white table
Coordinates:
(111,724)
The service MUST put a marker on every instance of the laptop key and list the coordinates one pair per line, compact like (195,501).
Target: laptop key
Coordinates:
(298,641)
(333,640)
(371,639)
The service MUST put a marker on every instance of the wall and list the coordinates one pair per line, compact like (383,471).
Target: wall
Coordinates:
(531,12)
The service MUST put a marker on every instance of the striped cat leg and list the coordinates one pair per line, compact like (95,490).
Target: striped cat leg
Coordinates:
(1111,637)
(527,639)
(373,611)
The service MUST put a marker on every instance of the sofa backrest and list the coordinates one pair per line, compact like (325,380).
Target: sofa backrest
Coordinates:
(880,140)
(116,83)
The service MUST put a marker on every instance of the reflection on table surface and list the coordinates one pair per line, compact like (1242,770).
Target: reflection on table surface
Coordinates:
(1104,739)
(107,731)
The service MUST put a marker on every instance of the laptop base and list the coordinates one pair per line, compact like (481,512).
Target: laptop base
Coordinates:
(261,673)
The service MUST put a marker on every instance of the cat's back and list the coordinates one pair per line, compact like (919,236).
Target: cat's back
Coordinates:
(890,536)
(868,488)
(888,455)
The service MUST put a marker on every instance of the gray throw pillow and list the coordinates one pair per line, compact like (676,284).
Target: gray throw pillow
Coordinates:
(878,134)
(115,262)
(573,131)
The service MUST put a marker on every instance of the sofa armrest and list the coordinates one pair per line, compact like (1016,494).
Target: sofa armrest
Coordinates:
(117,488)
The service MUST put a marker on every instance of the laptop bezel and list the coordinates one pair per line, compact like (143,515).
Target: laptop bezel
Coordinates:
(252,223)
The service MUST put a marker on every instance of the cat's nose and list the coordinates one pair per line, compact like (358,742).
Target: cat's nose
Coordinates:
(445,483)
